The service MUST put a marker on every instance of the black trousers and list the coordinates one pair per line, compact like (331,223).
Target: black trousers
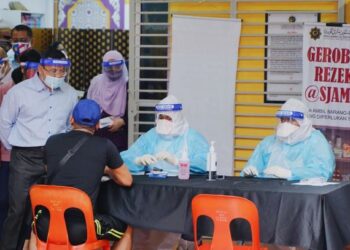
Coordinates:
(107,227)
(26,169)
(4,191)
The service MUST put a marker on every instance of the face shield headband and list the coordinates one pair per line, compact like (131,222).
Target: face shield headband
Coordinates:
(110,65)
(168,107)
(3,60)
(30,65)
(55,62)
(290,114)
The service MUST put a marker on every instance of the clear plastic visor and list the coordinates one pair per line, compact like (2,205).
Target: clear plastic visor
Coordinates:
(289,116)
(56,67)
(30,65)
(168,107)
(3,60)
(113,66)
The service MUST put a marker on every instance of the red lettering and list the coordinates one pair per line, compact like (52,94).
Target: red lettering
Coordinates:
(318,74)
(311,54)
(334,74)
(340,75)
(347,76)
(345,55)
(335,96)
(318,54)
(326,74)
(345,94)
(327,54)
(336,55)
(323,93)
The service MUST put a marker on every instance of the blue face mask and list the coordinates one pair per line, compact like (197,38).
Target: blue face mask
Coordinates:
(54,82)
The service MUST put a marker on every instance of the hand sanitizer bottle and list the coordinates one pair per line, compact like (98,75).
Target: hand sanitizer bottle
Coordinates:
(184,166)
(211,162)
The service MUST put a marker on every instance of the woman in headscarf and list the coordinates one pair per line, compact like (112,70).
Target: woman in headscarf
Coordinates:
(5,67)
(109,90)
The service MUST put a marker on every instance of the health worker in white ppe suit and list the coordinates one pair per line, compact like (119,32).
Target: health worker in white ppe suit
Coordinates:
(297,151)
(162,146)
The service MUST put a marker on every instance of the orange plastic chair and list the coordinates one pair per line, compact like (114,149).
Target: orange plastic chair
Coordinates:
(57,199)
(222,209)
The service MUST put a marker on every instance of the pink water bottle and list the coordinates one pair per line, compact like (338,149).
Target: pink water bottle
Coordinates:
(184,166)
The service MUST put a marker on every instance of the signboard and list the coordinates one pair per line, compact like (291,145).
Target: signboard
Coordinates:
(326,86)
(284,54)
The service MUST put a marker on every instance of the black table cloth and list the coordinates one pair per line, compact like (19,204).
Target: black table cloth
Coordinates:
(310,217)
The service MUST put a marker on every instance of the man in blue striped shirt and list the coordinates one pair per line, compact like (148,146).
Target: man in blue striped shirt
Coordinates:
(32,111)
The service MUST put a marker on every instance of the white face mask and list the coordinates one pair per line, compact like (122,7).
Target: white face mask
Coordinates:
(54,82)
(21,47)
(164,127)
(285,129)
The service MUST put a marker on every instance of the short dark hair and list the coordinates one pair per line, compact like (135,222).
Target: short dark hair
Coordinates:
(54,54)
(22,27)
(17,75)
(30,56)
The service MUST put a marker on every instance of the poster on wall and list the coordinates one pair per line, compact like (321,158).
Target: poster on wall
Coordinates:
(326,87)
(284,54)
(92,14)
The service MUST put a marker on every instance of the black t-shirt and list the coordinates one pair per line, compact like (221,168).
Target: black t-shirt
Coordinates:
(86,167)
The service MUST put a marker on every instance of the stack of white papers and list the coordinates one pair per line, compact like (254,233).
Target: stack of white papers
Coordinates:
(317,181)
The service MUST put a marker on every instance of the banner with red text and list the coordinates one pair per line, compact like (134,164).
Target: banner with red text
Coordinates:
(326,86)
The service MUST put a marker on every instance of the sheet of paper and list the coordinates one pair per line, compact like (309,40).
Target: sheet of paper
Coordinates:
(105,122)
(314,182)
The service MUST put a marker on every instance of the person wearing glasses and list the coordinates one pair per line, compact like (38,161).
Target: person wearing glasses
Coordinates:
(32,111)
(297,151)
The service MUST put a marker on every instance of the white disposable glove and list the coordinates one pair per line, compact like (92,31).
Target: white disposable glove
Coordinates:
(279,172)
(145,160)
(250,171)
(166,156)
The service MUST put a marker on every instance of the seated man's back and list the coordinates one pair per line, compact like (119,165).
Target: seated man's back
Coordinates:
(86,167)
(79,159)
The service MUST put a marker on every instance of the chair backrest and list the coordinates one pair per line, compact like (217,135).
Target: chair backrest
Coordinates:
(222,209)
(57,199)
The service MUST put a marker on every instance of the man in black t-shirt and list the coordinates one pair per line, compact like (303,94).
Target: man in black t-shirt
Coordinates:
(83,169)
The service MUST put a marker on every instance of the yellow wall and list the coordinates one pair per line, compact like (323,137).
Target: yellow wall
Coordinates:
(347,11)
(243,146)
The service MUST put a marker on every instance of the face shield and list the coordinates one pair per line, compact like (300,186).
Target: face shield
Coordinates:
(113,69)
(289,123)
(55,71)
(3,66)
(288,116)
(3,63)
(166,117)
(29,69)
